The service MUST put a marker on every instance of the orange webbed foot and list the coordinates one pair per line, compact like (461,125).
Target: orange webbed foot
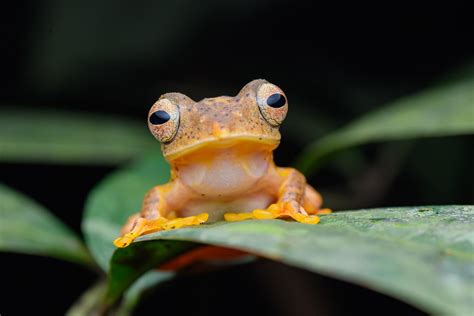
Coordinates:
(278,210)
(143,226)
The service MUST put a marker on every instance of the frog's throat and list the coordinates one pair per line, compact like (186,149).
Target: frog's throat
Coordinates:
(211,143)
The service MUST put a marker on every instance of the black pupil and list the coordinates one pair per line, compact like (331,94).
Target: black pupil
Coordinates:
(276,100)
(159,117)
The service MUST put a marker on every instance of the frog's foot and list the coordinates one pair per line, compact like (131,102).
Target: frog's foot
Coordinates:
(139,227)
(286,209)
(278,210)
(185,221)
(236,217)
(322,211)
(143,226)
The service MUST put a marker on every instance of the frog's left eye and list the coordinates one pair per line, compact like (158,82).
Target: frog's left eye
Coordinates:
(272,103)
(163,120)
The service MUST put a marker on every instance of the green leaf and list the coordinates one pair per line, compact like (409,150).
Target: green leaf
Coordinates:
(421,255)
(93,302)
(441,111)
(130,264)
(26,227)
(89,303)
(30,135)
(133,295)
(115,199)
(107,208)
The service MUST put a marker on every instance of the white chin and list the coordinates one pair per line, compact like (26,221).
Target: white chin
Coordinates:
(227,174)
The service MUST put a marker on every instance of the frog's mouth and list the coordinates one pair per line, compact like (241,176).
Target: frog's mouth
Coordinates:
(241,143)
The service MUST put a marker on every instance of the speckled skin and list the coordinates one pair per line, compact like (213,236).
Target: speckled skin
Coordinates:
(236,117)
(221,157)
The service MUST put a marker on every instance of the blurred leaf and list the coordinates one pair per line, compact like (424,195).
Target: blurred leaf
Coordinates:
(93,302)
(117,197)
(441,111)
(29,135)
(129,264)
(89,303)
(26,227)
(133,295)
(108,207)
(421,255)
(463,72)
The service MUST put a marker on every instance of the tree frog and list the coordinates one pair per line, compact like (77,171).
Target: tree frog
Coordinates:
(221,155)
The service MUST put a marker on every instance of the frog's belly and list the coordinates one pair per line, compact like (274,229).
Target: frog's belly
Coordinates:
(217,209)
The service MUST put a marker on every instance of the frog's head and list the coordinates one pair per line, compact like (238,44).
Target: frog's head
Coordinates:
(249,120)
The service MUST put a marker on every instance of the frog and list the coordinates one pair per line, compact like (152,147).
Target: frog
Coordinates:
(220,152)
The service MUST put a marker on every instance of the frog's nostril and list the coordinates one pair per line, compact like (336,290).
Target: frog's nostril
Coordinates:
(216,130)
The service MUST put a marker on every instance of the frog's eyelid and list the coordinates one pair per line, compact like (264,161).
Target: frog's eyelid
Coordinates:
(175,118)
(272,115)
(176,97)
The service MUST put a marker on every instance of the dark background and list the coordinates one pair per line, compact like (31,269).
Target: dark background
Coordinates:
(334,61)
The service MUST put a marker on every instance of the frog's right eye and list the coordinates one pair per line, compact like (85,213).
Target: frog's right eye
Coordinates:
(163,120)
(272,103)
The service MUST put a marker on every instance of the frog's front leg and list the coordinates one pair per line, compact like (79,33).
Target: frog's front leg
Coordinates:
(157,214)
(291,188)
(312,202)
(291,196)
